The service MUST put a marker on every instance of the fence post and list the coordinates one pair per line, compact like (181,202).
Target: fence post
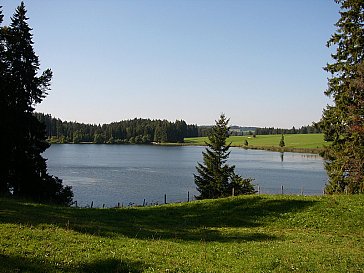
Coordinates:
(76,203)
(282,189)
(92,204)
(103,206)
(258,189)
(143,202)
(302,191)
(165,199)
(233,192)
(118,205)
(188,196)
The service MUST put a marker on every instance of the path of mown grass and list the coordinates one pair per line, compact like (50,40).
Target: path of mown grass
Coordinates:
(242,234)
(296,142)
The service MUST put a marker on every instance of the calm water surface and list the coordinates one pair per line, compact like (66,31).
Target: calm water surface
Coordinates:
(108,174)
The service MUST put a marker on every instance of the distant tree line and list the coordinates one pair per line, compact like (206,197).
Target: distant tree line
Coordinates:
(138,131)
(142,131)
(204,131)
(278,131)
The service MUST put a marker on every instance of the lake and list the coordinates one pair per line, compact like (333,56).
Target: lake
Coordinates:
(128,174)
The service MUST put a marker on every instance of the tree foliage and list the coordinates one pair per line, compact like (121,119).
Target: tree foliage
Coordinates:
(137,131)
(309,129)
(204,131)
(343,122)
(281,142)
(23,171)
(215,177)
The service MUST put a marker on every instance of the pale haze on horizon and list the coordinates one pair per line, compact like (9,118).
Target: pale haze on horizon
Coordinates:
(259,62)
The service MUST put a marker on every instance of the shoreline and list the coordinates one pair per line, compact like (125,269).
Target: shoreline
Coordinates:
(318,151)
(262,148)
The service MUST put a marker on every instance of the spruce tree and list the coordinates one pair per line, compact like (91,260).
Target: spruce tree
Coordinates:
(281,142)
(4,187)
(215,177)
(343,122)
(24,138)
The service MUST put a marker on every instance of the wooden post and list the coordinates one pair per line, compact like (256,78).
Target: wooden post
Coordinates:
(188,196)
(282,189)
(92,204)
(232,192)
(103,206)
(143,202)
(165,199)
(118,205)
(302,191)
(258,189)
(122,204)
(76,203)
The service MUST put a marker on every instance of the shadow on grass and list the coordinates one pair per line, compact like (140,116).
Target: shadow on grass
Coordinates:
(217,220)
(22,264)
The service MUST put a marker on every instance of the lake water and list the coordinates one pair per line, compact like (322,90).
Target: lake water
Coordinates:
(108,174)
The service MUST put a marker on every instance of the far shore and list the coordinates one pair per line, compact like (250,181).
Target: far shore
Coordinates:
(263,148)
(314,147)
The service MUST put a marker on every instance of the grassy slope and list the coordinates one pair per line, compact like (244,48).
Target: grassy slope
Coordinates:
(298,141)
(241,234)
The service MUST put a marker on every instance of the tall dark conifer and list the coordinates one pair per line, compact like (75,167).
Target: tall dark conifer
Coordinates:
(343,122)
(215,177)
(25,172)
(4,186)
(281,142)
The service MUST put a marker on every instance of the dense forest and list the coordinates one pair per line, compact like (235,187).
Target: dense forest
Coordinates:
(144,131)
(139,131)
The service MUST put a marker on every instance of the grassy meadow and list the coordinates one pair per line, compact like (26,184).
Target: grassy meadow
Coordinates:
(294,142)
(257,233)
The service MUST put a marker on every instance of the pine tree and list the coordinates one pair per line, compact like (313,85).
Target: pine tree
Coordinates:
(4,186)
(281,142)
(24,139)
(343,123)
(215,177)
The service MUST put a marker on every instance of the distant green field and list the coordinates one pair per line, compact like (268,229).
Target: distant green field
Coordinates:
(297,141)
(258,233)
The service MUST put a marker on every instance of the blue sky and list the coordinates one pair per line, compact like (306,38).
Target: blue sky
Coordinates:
(259,62)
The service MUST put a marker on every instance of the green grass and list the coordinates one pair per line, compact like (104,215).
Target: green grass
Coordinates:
(298,142)
(243,234)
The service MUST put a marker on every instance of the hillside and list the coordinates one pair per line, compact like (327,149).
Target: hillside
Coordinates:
(241,234)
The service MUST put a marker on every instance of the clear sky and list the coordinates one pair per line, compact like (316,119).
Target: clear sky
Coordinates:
(258,61)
